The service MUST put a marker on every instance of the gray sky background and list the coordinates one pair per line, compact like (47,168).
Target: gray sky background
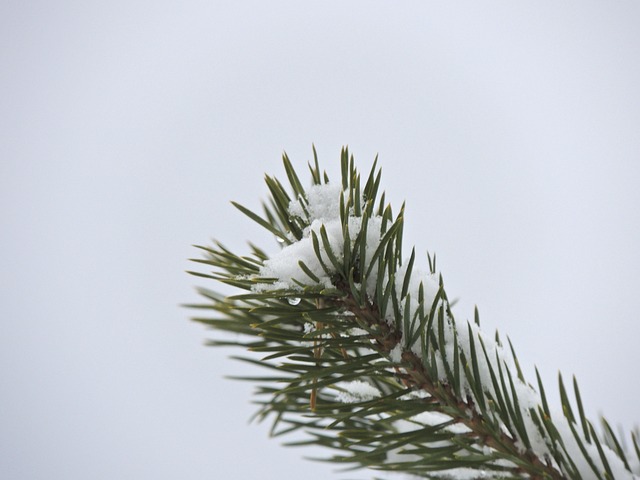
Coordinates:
(512,130)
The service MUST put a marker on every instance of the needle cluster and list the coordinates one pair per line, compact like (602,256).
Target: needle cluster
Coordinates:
(364,354)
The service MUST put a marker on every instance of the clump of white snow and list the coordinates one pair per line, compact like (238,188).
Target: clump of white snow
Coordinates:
(396,353)
(356,391)
(321,208)
(437,418)
(322,203)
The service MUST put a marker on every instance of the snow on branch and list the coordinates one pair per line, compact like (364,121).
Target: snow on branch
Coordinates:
(367,348)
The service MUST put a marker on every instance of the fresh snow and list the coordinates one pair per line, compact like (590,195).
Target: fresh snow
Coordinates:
(356,391)
(323,208)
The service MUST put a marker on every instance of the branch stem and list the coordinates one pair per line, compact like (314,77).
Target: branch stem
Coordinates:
(416,376)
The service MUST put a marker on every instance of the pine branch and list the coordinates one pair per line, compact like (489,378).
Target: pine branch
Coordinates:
(365,356)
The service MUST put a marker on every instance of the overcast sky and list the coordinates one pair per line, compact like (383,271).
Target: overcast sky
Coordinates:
(511,129)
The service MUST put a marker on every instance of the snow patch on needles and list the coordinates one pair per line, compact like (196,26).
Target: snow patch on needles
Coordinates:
(322,203)
(356,391)
(468,474)
(436,418)
(321,209)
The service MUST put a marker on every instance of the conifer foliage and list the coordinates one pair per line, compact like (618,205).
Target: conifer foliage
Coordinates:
(362,353)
